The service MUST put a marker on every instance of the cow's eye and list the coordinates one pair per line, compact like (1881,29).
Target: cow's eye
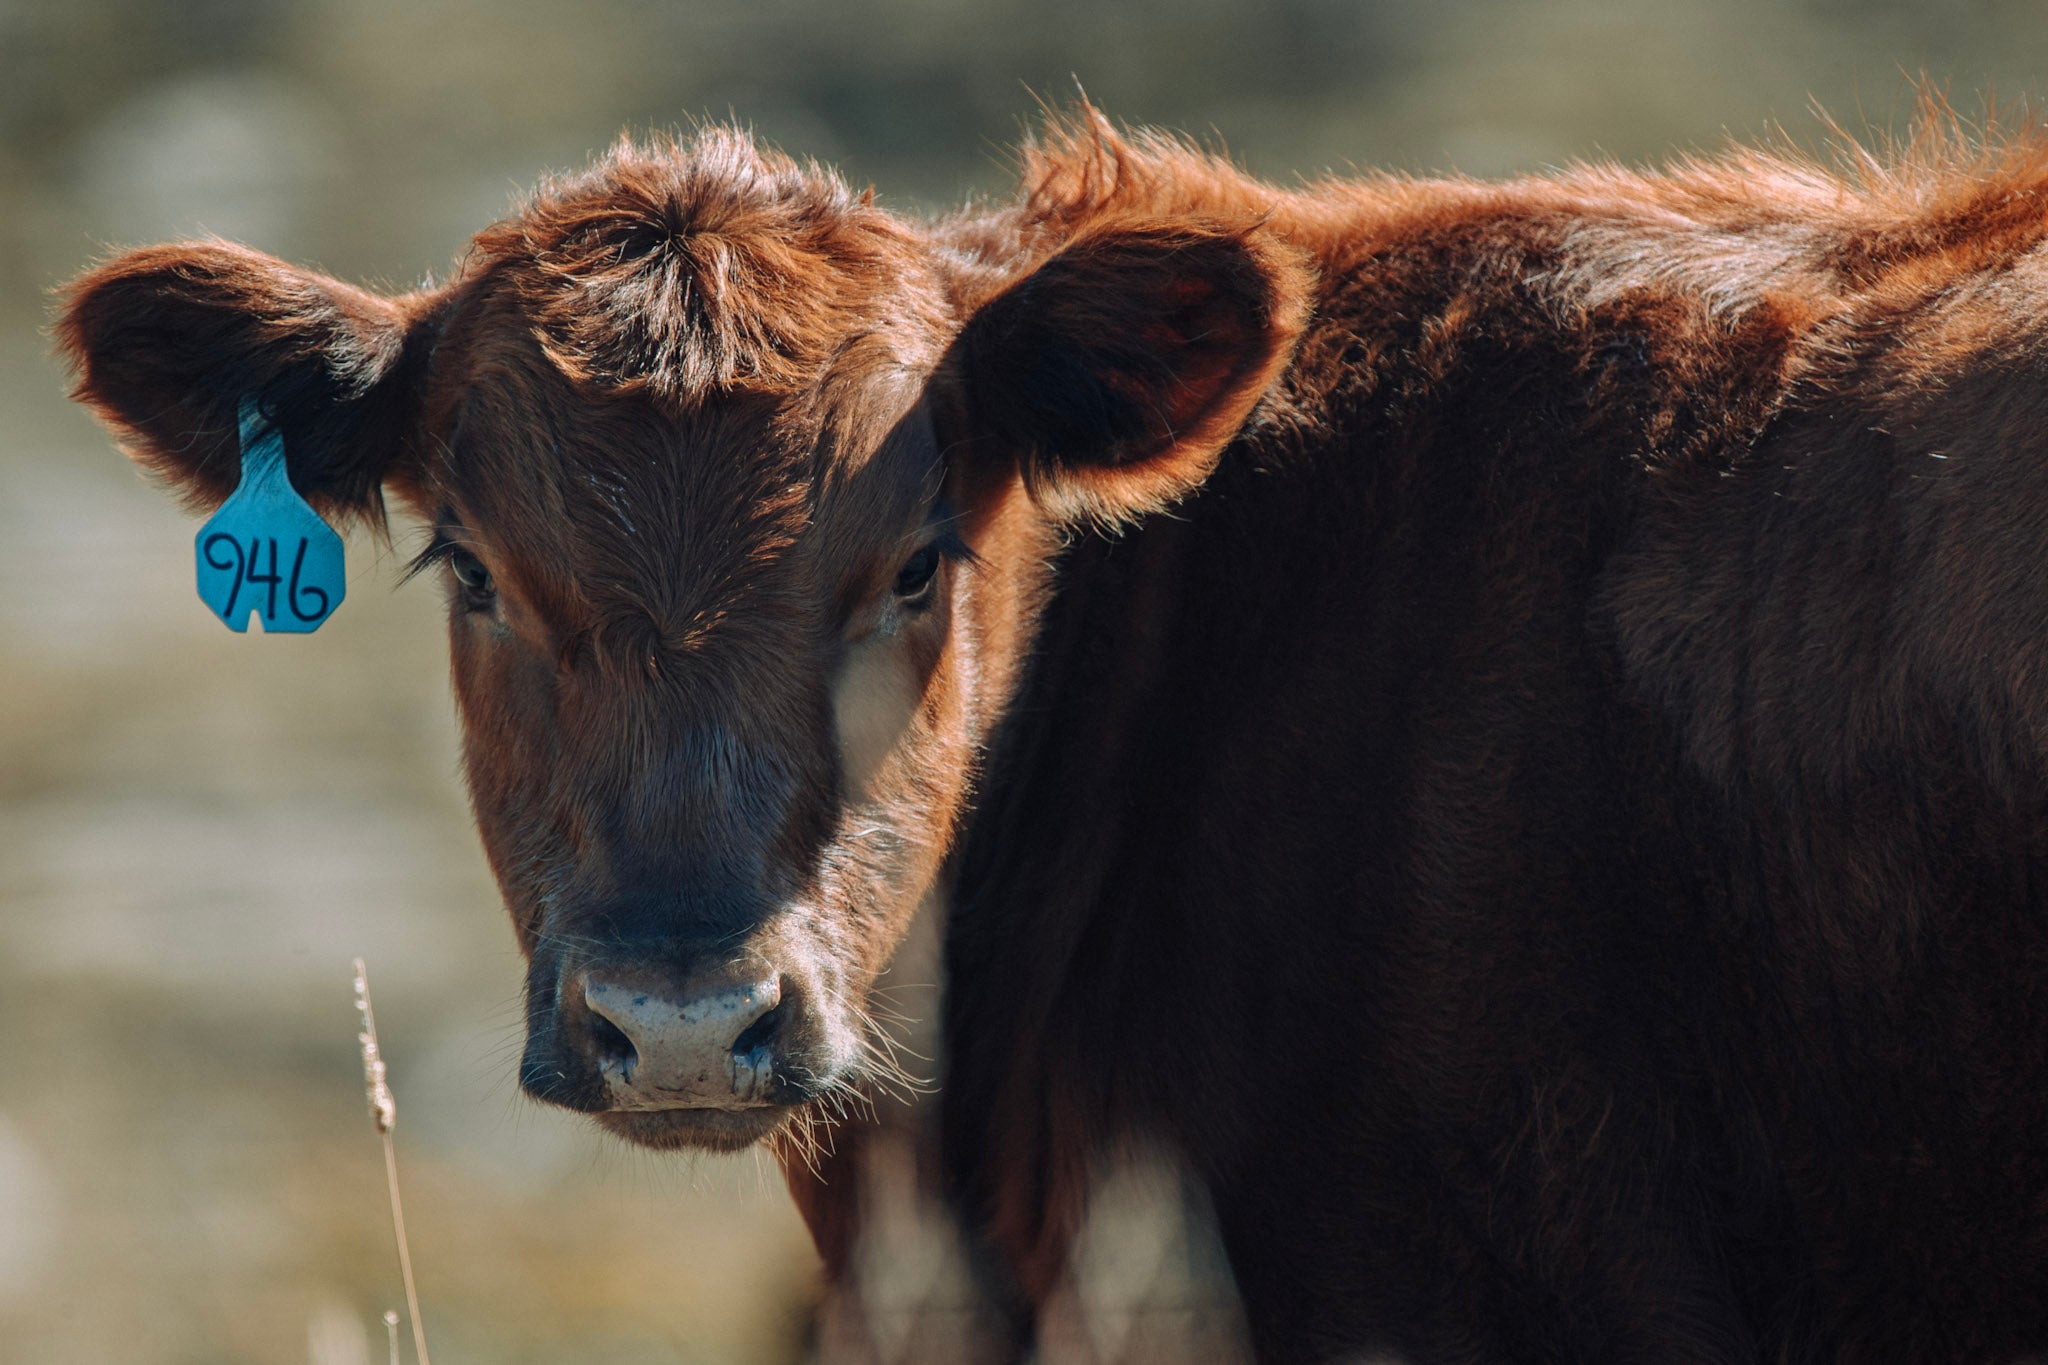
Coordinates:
(914,580)
(473,576)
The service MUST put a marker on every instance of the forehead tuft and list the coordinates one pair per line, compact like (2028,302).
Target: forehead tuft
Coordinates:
(681,402)
(695,267)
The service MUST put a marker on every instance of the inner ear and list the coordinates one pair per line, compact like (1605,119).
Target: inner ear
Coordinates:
(1182,363)
(168,341)
(1118,370)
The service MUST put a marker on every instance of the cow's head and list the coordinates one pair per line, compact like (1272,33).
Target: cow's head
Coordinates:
(742,492)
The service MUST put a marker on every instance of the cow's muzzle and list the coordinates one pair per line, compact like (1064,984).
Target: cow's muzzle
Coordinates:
(708,1043)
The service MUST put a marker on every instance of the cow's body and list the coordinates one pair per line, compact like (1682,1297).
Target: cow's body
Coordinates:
(1547,829)
(1553,827)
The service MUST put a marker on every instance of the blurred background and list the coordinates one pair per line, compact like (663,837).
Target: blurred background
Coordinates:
(198,830)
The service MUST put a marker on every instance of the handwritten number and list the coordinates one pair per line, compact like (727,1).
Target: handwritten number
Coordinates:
(214,542)
(307,601)
(254,575)
(298,562)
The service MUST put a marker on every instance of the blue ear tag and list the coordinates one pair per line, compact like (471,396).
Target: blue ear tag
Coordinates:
(265,550)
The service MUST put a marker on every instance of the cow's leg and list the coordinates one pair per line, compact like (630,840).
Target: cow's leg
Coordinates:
(900,1286)
(903,1284)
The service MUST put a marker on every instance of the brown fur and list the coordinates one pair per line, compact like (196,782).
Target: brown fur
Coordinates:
(1546,823)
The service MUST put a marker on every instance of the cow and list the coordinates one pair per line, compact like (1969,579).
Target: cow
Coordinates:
(1504,724)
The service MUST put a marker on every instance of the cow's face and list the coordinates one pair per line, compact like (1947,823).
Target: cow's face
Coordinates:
(742,494)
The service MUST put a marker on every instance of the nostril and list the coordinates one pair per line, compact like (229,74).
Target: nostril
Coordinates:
(759,1033)
(613,1046)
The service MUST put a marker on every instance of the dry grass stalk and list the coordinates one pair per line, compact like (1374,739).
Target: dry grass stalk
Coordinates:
(391,1334)
(384,1114)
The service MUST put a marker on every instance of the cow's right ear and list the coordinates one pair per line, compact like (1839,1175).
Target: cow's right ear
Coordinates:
(1116,371)
(166,342)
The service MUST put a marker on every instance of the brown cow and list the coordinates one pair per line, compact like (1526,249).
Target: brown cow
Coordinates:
(1508,724)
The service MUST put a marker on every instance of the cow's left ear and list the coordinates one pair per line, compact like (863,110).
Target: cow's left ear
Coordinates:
(1118,369)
